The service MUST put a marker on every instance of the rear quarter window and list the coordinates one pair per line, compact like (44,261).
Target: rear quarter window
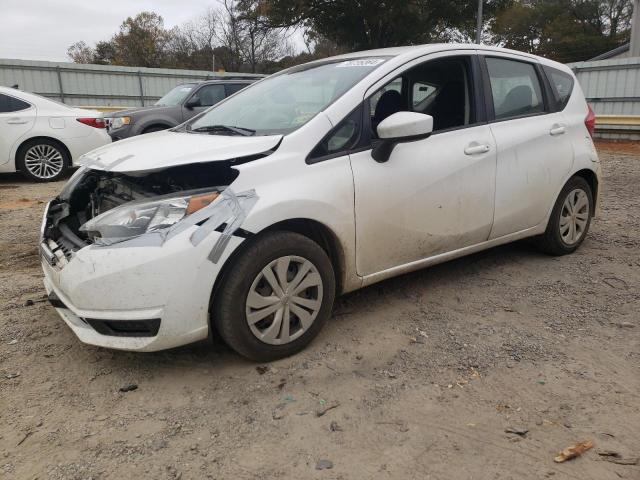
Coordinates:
(10,104)
(561,84)
(515,88)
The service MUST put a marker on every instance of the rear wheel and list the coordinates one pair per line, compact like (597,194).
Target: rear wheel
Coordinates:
(570,219)
(42,160)
(275,297)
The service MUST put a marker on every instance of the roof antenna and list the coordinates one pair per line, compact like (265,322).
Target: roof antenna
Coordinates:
(16,86)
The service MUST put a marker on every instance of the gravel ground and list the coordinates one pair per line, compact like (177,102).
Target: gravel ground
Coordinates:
(416,377)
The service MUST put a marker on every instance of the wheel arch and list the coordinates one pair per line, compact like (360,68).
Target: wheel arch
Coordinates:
(592,179)
(320,234)
(312,229)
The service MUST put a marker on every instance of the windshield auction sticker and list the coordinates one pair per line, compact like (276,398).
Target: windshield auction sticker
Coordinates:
(362,62)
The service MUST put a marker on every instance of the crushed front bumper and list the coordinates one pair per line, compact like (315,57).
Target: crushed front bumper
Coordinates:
(99,290)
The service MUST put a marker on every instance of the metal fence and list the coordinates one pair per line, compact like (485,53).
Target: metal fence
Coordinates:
(99,85)
(612,87)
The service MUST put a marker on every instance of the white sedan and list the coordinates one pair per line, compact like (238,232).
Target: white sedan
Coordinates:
(247,220)
(41,138)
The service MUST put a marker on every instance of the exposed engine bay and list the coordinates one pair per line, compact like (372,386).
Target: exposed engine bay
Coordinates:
(93,192)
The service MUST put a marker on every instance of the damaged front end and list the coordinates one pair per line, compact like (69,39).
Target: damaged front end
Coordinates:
(108,209)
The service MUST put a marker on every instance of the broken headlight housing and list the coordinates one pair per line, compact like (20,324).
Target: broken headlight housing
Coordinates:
(145,216)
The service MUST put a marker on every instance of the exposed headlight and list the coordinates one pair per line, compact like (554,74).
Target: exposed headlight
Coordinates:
(143,216)
(118,122)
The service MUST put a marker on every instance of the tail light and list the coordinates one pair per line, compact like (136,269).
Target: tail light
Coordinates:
(590,121)
(93,122)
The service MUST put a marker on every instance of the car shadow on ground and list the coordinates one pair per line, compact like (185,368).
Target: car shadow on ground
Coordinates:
(16,180)
(447,275)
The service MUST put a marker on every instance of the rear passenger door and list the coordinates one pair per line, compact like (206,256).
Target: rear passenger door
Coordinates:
(534,151)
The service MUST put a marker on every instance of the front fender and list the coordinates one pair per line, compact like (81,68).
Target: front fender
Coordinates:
(289,189)
(140,126)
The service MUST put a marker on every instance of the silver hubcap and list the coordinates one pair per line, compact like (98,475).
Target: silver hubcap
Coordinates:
(284,300)
(43,161)
(574,216)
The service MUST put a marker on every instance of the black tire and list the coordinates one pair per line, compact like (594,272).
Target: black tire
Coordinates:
(551,241)
(44,143)
(229,309)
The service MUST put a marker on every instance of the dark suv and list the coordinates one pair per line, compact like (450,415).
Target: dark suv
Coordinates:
(177,106)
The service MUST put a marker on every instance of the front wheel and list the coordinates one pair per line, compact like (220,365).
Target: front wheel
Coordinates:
(570,219)
(275,297)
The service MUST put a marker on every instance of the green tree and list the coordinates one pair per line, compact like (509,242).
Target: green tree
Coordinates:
(104,53)
(141,41)
(563,30)
(364,24)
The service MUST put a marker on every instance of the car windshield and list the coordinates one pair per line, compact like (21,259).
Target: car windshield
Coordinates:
(284,102)
(176,96)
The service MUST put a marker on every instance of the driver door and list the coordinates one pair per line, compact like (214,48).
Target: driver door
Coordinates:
(433,195)
(203,98)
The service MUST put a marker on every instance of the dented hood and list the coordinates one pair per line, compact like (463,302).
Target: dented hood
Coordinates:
(157,151)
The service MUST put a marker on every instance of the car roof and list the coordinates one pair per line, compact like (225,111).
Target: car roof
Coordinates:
(9,90)
(231,80)
(414,51)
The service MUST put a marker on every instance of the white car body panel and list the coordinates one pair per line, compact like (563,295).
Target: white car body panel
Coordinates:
(47,119)
(429,203)
(157,151)
(430,197)
(532,165)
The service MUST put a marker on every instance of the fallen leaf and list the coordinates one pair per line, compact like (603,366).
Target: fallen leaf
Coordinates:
(573,451)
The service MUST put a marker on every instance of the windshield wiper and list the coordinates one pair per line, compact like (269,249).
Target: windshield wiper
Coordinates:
(246,132)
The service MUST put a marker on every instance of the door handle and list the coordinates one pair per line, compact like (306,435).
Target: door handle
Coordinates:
(557,129)
(16,121)
(474,149)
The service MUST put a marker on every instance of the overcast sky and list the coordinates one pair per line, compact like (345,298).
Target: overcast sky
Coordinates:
(44,29)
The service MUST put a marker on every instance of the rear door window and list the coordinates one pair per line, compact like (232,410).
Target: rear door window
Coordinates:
(11,104)
(515,88)
(232,88)
(561,84)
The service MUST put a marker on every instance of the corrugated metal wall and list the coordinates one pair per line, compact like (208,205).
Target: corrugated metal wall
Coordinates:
(612,88)
(99,85)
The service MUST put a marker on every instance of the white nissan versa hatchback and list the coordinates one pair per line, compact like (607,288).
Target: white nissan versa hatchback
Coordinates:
(247,220)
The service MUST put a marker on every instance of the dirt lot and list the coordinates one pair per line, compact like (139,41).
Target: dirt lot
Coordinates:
(426,372)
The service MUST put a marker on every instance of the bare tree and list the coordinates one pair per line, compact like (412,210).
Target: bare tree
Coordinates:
(197,39)
(80,52)
(236,37)
(230,34)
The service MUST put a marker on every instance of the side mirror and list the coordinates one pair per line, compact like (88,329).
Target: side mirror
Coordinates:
(400,127)
(192,102)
